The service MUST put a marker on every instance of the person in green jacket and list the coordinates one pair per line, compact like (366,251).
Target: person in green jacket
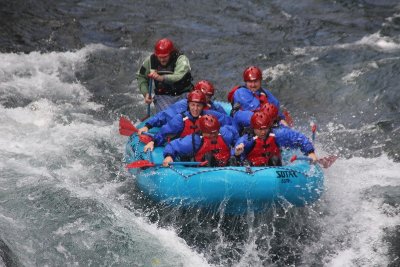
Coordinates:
(170,70)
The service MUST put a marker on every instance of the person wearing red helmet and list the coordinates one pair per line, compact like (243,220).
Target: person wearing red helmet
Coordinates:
(162,117)
(212,144)
(242,118)
(186,123)
(208,89)
(171,73)
(252,96)
(262,146)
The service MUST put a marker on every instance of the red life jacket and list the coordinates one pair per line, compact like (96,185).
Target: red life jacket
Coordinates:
(219,150)
(232,92)
(190,127)
(263,150)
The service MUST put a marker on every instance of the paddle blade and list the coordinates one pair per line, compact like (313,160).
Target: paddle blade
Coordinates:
(313,127)
(288,117)
(326,162)
(125,132)
(140,164)
(126,127)
(313,130)
(293,158)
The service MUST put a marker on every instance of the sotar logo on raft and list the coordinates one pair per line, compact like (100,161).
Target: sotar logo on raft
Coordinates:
(286,174)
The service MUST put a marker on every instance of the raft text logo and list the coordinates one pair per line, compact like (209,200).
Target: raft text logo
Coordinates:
(286,174)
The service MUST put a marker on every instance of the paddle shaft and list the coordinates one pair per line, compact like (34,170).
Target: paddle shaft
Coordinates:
(150,93)
(146,163)
(189,163)
(303,158)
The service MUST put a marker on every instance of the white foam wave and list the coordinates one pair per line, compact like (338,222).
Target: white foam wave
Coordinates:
(351,77)
(374,41)
(379,42)
(54,142)
(356,220)
(281,70)
(161,247)
(37,75)
(277,71)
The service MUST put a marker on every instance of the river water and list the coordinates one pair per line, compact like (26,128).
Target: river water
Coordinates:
(67,74)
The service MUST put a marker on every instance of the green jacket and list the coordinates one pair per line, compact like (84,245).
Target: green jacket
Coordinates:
(182,67)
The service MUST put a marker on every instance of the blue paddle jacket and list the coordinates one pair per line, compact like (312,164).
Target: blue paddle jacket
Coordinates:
(164,116)
(285,137)
(241,120)
(248,100)
(189,145)
(175,126)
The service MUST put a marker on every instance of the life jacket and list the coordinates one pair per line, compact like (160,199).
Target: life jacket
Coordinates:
(177,88)
(218,150)
(190,127)
(231,93)
(263,150)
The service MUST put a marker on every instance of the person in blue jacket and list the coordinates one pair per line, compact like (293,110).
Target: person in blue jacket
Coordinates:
(164,116)
(212,144)
(187,122)
(242,119)
(251,97)
(262,147)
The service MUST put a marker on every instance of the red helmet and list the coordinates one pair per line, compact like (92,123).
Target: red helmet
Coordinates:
(209,124)
(260,120)
(252,73)
(163,47)
(205,86)
(270,110)
(197,96)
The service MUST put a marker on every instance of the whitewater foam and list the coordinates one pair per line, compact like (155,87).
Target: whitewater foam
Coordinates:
(355,223)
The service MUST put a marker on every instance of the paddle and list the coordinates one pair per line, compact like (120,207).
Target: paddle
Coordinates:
(313,130)
(127,128)
(148,105)
(288,117)
(325,162)
(146,163)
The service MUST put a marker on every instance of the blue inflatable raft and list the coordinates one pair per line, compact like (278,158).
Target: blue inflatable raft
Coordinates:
(234,190)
